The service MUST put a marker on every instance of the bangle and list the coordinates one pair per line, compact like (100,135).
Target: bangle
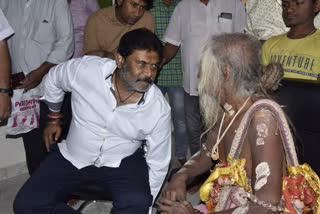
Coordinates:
(53,122)
(264,204)
(54,116)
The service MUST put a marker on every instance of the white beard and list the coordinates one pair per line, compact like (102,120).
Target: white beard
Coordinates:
(209,108)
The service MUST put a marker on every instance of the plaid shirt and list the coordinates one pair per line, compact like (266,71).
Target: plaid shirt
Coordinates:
(171,73)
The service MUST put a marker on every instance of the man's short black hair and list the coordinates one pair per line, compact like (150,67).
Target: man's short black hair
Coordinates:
(149,3)
(139,39)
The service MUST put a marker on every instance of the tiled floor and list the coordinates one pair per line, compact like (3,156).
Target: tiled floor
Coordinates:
(9,188)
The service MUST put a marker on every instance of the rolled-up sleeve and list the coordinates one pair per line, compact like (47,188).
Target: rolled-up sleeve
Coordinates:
(173,32)
(159,153)
(58,81)
(64,46)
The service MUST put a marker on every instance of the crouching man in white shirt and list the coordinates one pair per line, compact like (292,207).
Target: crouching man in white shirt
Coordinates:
(115,107)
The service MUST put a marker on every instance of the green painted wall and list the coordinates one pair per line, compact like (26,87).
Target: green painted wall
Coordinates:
(105,3)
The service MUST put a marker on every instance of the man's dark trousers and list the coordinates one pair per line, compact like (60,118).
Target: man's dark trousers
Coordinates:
(48,188)
(33,141)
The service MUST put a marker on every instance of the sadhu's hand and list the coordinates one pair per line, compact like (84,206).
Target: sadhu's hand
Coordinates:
(51,133)
(176,207)
(34,78)
(176,189)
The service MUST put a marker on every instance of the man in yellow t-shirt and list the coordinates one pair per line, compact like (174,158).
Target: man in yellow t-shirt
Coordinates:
(299,53)
(264,19)
(300,58)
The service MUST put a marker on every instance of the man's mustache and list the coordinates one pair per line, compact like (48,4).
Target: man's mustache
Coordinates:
(147,79)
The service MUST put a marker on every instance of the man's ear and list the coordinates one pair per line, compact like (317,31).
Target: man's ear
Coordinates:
(119,2)
(226,72)
(119,60)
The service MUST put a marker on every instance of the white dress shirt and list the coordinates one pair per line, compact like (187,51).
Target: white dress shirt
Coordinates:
(192,23)
(101,133)
(43,32)
(5,28)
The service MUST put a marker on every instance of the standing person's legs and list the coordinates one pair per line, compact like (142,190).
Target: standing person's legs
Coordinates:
(34,144)
(193,121)
(307,121)
(302,105)
(311,144)
(48,188)
(128,185)
(176,98)
(33,141)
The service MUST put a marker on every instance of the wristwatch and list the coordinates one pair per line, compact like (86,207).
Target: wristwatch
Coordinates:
(9,91)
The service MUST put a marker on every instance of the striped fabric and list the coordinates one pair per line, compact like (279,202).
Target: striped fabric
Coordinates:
(171,73)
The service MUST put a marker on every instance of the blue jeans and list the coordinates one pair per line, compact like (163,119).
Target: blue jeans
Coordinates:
(176,99)
(50,185)
(193,121)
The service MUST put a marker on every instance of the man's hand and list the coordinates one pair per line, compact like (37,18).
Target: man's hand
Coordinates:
(174,207)
(5,106)
(32,79)
(176,189)
(51,133)
(169,51)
